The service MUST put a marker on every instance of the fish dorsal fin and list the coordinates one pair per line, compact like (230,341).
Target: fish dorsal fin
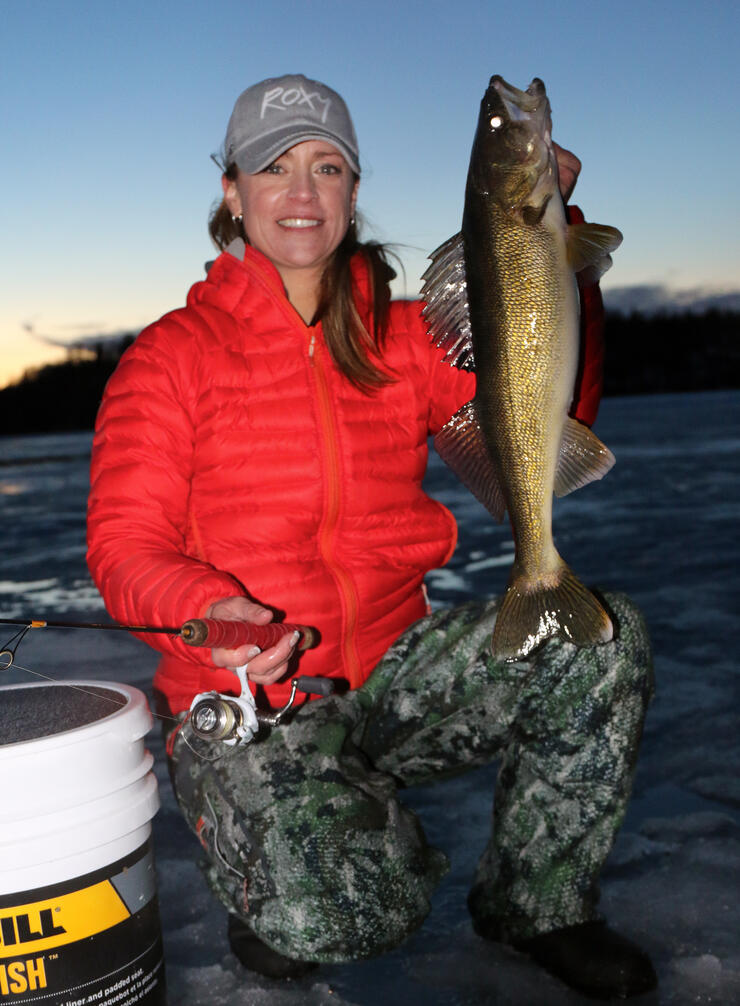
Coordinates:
(589,250)
(583,458)
(461,446)
(446,311)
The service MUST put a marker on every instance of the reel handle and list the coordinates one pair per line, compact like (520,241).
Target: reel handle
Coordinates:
(315,685)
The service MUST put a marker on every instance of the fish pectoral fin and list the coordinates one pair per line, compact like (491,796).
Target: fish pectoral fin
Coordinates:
(445,291)
(589,250)
(582,459)
(461,445)
(531,614)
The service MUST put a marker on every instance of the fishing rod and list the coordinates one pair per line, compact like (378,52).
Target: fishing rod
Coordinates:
(212,632)
(213,716)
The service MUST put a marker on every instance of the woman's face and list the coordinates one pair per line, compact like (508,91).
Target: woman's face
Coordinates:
(297,210)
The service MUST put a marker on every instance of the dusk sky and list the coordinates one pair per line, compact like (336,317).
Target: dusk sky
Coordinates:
(111,109)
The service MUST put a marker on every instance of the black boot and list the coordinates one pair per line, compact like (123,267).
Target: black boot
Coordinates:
(257,956)
(592,958)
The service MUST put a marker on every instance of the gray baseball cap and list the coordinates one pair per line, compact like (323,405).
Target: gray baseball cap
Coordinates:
(277,113)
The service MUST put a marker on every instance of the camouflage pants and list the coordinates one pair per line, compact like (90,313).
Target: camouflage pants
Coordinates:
(307,840)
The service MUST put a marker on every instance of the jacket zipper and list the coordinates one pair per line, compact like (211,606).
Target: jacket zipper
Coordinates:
(344,582)
(345,586)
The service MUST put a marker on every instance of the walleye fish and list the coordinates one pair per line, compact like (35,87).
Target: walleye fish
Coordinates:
(502,297)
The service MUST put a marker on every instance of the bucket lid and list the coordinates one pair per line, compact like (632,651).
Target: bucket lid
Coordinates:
(30,712)
(63,743)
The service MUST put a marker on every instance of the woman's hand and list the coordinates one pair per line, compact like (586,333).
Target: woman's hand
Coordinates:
(264,667)
(569,168)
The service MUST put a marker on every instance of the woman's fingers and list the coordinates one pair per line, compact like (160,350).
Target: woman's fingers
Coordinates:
(269,666)
(264,667)
(569,168)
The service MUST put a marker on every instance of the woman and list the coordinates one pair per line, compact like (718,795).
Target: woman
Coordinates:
(259,454)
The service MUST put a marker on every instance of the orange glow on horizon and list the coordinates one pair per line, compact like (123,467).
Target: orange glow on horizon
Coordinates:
(23,353)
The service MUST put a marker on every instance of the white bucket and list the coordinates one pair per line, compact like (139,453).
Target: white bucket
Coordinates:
(79,920)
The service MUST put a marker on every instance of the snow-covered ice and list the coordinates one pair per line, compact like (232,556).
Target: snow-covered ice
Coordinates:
(663,527)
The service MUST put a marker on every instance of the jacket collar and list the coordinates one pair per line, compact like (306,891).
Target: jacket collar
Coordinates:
(240,270)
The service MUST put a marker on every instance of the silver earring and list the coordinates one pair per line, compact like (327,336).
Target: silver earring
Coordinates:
(237,220)
(352,221)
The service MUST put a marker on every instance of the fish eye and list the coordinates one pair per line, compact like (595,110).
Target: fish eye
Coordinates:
(496,122)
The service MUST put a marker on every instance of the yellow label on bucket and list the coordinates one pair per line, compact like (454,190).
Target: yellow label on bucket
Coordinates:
(22,976)
(54,922)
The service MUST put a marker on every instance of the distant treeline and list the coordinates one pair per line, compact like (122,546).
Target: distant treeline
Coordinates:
(60,396)
(671,352)
(644,354)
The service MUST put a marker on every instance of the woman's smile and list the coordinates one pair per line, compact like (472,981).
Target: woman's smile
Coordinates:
(299,222)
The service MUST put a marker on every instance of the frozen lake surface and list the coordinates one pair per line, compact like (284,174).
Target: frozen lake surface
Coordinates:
(663,526)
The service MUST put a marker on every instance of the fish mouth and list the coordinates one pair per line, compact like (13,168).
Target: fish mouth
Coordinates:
(513,159)
(520,102)
(531,106)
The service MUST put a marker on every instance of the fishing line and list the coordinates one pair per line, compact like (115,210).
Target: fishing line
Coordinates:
(9,651)
(58,681)
(96,695)
(226,633)
(84,691)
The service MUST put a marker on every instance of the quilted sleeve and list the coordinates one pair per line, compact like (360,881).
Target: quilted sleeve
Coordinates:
(447,387)
(138,503)
(451,388)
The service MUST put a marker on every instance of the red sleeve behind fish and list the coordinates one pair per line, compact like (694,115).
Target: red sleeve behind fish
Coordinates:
(590,377)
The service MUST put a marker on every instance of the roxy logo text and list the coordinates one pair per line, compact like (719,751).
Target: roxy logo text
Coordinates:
(281,98)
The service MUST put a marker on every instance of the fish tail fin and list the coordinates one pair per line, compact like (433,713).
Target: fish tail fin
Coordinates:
(561,605)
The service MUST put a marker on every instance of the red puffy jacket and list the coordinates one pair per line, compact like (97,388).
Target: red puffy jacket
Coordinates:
(231,457)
